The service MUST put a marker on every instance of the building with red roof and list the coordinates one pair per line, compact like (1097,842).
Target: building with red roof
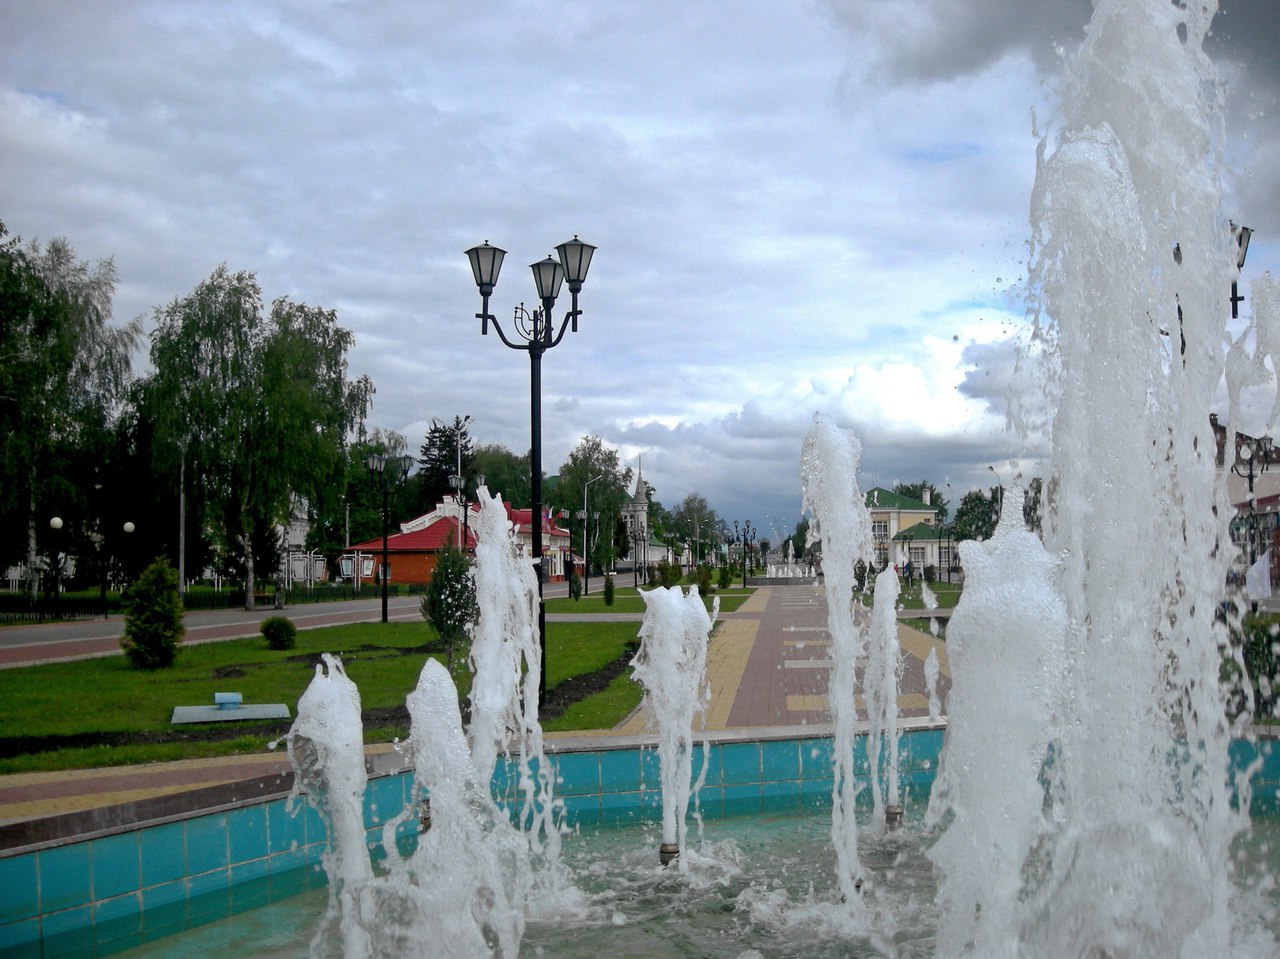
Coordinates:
(412,552)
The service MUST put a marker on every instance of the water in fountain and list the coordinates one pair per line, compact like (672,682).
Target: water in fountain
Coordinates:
(1008,630)
(465,886)
(671,666)
(1118,845)
(880,684)
(326,748)
(506,658)
(828,471)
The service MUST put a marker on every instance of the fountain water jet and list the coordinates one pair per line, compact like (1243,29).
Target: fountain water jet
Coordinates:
(671,665)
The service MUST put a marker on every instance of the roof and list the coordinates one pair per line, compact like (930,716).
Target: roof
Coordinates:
(920,531)
(881,498)
(431,539)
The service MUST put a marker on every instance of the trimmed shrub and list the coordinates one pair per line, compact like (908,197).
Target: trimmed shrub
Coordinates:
(608,590)
(280,632)
(704,579)
(726,575)
(153,618)
(575,585)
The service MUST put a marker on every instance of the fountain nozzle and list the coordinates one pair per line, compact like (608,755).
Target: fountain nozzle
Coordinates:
(893,818)
(668,853)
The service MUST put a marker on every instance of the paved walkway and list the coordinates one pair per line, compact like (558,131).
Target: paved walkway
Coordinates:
(768,664)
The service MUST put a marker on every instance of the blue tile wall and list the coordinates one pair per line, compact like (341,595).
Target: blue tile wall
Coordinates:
(112,892)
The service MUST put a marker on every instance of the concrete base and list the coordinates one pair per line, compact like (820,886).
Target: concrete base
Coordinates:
(212,714)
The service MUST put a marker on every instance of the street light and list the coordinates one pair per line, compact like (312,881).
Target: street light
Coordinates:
(748,534)
(584,515)
(1253,458)
(535,333)
(399,467)
(1241,235)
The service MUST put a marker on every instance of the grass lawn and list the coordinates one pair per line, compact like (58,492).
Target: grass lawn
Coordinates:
(79,700)
(628,600)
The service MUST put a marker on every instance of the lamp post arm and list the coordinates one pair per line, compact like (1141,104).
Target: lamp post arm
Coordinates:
(511,344)
(570,319)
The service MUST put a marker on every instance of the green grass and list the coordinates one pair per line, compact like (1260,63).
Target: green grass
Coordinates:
(604,710)
(948,595)
(629,600)
(108,696)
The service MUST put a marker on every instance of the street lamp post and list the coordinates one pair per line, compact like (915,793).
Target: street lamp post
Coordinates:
(748,534)
(535,333)
(399,468)
(1253,458)
(585,515)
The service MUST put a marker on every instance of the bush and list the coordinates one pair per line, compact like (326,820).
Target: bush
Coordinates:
(930,573)
(726,576)
(1261,662)
(704,579)
(280,632)
(449,604)
(668,574)
(153,618)
(608,590)
(575,586)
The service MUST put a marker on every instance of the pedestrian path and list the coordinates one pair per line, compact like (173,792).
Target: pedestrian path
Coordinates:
(768,663)
(769,666)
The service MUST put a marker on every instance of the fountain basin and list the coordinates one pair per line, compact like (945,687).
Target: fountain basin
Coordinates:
(119,886)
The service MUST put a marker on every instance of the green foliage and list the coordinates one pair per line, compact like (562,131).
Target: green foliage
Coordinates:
(438,460)
(1261,653)
(975,516)
(860,575)
(608,589)
(593,477)
(63,370)
(704,579)
(916,491)
(575,585)
(153,617)
(726,576)
(259,408)
(505,473)
(668,574)
(279,632)
(449,604)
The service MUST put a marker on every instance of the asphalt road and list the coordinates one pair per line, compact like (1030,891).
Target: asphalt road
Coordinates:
(84,639)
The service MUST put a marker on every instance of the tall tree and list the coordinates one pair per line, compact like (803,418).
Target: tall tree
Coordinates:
(975,516)
(505,473)
(357,515)
(591,458)
(260,407)
(63,371)
(916,491)
(438,460)
(695,523)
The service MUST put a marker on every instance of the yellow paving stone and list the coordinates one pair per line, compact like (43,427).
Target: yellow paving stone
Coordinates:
(813,704)
(758,601)
(918,645)
(806,704)
(37,808)
(727,655)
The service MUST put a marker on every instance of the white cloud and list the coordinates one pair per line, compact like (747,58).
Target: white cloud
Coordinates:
(795,208)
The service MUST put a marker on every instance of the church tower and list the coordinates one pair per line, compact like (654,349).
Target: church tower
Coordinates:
(636,516)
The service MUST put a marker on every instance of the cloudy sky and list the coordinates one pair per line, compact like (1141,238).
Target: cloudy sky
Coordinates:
(798,206)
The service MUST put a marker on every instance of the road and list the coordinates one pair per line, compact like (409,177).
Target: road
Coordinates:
(85,639)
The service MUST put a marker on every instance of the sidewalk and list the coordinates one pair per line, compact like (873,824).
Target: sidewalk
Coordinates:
(768,664)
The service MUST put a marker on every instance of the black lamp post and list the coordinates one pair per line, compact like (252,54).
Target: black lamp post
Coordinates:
(399,468)
(748,534)
(1241,234)
(1253,458)
(535,333)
